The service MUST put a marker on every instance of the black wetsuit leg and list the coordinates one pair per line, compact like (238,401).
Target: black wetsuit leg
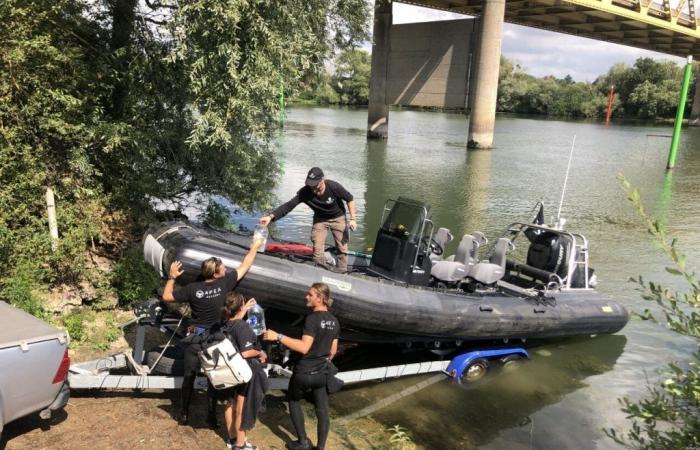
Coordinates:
(299,384)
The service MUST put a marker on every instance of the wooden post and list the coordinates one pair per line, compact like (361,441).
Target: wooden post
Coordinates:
(53,225)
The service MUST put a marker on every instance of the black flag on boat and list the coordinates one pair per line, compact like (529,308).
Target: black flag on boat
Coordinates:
(539,218)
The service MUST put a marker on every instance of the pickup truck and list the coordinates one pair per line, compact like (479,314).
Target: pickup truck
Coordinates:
(34,364)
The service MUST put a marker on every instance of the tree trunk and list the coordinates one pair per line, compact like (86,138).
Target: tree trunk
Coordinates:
(123,16)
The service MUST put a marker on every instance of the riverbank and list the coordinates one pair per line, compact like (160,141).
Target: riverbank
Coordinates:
(133,419)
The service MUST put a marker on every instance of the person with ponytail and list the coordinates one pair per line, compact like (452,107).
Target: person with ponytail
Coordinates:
(317,346)
(244,339)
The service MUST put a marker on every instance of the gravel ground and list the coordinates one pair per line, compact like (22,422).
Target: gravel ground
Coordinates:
(130,420)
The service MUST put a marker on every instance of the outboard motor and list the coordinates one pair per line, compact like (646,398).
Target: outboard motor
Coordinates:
(401,253)
(549,252)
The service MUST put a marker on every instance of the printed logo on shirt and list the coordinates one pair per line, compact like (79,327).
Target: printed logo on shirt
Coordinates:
(248,344)
(329,324)
(329,200)
(208,293)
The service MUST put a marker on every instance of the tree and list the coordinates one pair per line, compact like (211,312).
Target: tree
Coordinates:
(351,77)
(119,104)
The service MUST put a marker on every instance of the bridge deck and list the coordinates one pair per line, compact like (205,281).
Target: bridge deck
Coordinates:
(637,23)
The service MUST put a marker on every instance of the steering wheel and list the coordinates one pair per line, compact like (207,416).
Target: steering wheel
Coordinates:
(432,245)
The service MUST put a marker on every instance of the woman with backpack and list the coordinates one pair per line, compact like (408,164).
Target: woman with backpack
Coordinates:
(317,346)
(243,400)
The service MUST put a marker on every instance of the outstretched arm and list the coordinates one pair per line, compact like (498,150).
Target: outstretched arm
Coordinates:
(248,260)
(281,210)
(302,345)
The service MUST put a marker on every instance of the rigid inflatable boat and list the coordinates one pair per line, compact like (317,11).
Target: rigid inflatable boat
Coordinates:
(406,291)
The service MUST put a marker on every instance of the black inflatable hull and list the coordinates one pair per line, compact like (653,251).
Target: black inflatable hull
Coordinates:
(383,311)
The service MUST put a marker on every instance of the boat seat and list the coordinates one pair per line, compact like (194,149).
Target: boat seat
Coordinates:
(469,247)
(492,271)
(442,237)
(449,271)
(460,264)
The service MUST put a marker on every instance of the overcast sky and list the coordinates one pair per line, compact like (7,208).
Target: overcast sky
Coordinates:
(544,52)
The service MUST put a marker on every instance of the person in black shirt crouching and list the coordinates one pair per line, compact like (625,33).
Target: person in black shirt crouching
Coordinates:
(206,298)
(318,345)
(327,199)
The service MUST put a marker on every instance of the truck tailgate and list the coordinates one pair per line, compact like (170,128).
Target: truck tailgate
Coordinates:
(17,328)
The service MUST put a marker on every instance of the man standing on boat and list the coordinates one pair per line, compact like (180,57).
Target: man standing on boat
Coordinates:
(325,198)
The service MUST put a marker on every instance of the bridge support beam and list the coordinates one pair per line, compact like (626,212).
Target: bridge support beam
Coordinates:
(485,75)
(694,119)
(378,111)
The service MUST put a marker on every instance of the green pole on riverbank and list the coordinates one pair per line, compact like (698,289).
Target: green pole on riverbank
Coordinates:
(679,114)
(281,101)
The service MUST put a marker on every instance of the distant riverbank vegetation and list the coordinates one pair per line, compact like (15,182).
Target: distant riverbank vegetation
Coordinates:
(647,90)
(124,105)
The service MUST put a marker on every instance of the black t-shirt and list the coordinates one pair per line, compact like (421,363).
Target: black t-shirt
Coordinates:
(207,298)
(242,335)
(324,328)
(328,206)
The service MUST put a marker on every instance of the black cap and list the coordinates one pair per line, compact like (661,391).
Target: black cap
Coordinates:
(314,176)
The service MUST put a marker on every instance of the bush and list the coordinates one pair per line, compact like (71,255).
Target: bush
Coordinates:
(74,324)
(217,216)
(133,279)
(19,289)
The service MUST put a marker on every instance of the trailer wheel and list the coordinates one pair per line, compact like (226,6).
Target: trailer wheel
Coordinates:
(171,363)
(475,371)
(511,362)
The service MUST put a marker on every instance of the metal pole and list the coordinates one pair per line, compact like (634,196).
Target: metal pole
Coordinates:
(679,114)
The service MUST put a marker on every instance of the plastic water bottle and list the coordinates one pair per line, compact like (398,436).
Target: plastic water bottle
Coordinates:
(256,319)
(260,234)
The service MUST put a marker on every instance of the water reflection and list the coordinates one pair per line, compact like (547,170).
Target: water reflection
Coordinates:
(476,190)
(506,401)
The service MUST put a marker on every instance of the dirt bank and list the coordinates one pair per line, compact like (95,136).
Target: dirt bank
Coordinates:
(130,420)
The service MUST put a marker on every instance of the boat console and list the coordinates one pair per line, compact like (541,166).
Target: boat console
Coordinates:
(403,246)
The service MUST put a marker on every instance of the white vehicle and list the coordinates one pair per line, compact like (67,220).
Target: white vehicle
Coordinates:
(34,365)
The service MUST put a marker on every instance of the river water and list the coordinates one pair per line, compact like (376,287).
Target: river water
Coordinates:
(569,391)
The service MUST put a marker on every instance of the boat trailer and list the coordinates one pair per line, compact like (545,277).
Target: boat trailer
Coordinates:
(130,371)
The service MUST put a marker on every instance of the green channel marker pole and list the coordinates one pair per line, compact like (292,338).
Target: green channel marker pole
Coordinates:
(679,114)
(282,102)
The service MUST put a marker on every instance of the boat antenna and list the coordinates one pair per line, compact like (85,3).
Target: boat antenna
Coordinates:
(560,224)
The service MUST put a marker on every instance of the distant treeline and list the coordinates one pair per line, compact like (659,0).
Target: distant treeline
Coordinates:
(647,90)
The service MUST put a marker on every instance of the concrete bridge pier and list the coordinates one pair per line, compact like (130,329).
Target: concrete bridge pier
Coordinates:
(485,75)
(694,119)
(378,112)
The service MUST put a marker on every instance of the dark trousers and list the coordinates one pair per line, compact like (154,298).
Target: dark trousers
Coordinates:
(299,385)
(192,366)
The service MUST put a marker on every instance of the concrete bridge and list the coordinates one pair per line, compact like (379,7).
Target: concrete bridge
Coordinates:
(645,24)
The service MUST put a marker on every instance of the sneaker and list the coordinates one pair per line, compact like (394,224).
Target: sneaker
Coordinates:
(183,418)
(246,446)
(298,445)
